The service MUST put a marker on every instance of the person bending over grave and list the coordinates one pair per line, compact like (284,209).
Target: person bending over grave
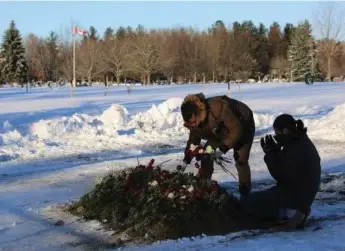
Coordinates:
(294,162)
(226,124)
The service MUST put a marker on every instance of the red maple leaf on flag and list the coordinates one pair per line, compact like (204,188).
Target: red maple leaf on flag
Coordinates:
(79,31)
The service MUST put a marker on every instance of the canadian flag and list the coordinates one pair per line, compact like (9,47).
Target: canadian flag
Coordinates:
(79,31)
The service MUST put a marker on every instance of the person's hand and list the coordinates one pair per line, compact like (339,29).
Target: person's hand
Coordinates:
(190,152)
(216,153)
(182,167)
(268,144)
(187,158)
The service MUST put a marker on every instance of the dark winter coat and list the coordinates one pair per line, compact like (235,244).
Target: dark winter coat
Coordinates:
(224,122)
(297,170)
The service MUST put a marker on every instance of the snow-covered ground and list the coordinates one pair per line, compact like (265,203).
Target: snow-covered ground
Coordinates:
(53,147)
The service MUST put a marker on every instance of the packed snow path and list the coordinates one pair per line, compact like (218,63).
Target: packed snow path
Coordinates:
(52,148)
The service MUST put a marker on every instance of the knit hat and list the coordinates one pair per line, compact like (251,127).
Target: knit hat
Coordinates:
(285,121)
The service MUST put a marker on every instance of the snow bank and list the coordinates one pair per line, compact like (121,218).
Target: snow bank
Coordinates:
(160,117)
(263,121)
(116,130)
(115,115)
(112,130)
(7,125)
(308,110)
(82,125)
(330,127)
(76,126)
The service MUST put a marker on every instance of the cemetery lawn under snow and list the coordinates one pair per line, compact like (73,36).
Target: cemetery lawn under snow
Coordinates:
(53,148)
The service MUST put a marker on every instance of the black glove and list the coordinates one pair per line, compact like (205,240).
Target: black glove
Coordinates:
(187,160)
(268,144)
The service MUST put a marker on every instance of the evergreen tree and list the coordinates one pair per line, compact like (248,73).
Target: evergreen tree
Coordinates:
(1,78)
(93,33)
(12,56)
(121,32)
(260,49)
(109,32)
(300,53)
(53,56)
(274,40)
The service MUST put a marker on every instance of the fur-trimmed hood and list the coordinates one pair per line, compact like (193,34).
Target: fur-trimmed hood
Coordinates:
(200,101)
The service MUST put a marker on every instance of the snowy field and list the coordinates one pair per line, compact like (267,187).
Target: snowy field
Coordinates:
(53,148)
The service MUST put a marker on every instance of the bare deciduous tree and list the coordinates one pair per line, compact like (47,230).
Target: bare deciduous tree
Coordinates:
(89,60)
(115,56)
(197,56)
(66,53)
(34,63)
(239,60)
(330,22)
(279,63)
(184,54)
(166,59)
(145,55)
(170,50)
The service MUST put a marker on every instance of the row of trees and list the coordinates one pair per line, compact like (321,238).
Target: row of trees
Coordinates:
(220,53)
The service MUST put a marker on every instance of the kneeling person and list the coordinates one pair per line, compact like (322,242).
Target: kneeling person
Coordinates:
(294,163)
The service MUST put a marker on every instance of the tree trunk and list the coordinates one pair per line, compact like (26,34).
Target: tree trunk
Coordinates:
(118,78)
(148,78)
(204,79)
(213,76)
(195,77)
(329,67)
(89,79)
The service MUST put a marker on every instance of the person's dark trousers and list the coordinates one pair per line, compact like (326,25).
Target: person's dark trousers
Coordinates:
(265,205)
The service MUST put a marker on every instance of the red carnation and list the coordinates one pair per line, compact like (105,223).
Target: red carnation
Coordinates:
(150,166)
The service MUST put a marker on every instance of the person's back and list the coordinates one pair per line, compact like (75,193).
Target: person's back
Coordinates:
(294,162)
(226,124)
(298,171)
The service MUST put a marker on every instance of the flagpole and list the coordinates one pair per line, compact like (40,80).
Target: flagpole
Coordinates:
(74,80)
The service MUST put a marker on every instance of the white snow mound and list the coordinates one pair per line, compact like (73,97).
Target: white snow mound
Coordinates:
(330,127)
(308,110)
(7,125)
(263,121)
(77,126)
(164,116)
(115,115)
